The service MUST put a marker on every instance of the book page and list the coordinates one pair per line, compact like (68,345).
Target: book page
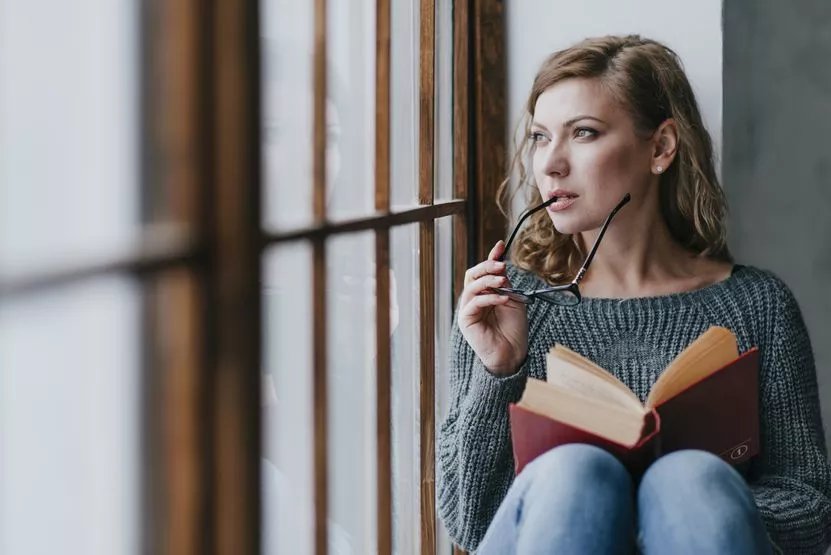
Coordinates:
(713,350)
(568,370)
(590,414)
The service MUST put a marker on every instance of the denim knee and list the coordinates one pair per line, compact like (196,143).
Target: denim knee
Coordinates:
(572,499)
(687,472)
(577,462)
(694,502)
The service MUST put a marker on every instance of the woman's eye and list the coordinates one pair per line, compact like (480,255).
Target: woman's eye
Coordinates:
(584,132)
(537,137)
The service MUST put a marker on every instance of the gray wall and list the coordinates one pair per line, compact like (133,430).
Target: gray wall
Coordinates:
(777,153)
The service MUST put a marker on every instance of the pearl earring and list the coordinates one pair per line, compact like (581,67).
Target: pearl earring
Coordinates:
(659,169)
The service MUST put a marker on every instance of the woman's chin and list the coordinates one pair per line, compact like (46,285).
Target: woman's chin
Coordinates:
(568,225)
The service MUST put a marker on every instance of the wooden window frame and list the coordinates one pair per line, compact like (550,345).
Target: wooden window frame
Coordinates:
(200,77)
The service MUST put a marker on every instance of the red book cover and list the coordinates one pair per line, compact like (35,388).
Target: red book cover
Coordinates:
(533,434)
(719,414)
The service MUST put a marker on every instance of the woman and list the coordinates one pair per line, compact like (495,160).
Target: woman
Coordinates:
(609,117)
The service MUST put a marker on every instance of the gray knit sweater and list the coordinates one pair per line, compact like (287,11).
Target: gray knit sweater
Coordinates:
(635,339)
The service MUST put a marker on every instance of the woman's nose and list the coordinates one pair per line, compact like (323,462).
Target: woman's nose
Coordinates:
(556,161)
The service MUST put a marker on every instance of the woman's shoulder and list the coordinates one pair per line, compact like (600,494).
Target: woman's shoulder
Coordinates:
(760,287)
(763,301)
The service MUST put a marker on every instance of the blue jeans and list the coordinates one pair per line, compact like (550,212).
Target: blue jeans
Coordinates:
(578,499)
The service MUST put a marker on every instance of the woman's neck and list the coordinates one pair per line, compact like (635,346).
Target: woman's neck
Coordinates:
(638,257)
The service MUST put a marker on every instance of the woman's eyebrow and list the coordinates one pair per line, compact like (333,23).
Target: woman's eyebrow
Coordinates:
(569,122)
(575,119)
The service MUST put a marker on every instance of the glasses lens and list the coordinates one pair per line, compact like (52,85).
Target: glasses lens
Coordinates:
(514,295)
(562,297)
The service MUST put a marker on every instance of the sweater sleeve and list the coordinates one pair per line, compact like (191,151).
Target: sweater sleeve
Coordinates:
(475,461)
(791,481)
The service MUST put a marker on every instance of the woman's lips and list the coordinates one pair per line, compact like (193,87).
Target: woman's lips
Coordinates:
(561,203)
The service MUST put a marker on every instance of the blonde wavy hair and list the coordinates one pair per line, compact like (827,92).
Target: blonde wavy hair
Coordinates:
(648,79)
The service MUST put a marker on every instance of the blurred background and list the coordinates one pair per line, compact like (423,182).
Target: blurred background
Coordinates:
(170,255)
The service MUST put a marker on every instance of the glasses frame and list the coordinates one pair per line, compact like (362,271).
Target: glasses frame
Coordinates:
(528,297)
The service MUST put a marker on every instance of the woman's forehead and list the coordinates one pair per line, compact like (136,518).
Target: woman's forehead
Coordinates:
(572,98)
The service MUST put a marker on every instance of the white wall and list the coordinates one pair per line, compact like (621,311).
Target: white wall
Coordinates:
(536,28)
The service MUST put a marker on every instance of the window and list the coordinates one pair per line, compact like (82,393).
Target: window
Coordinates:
(381,157)
(237,279)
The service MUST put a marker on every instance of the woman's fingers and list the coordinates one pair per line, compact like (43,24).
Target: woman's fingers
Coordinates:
(481,285)
(497,250)
(470,312)
(483,269)
(485,275)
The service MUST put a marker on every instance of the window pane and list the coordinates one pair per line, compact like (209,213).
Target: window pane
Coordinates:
(445,304)
(288,425)
(444,100)
(287,97)
(352,401)
(405,384)
(444,315)
(404,52)
(69,421)
(68,131)
(351,108)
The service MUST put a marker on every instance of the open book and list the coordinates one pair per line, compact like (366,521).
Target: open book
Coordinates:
(707,398)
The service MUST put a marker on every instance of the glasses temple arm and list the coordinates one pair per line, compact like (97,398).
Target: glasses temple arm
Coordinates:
(522,219)
(626,198)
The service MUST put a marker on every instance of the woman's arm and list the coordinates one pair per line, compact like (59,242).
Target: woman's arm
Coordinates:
(791,481)
(475,461)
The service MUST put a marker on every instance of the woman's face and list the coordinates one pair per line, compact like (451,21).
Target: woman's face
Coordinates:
(586,152)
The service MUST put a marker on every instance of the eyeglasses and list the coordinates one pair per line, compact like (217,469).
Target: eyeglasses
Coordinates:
(564,295)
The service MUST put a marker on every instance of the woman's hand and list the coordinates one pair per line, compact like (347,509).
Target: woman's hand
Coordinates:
(495,326)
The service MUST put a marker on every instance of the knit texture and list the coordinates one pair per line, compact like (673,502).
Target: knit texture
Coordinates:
(635,339)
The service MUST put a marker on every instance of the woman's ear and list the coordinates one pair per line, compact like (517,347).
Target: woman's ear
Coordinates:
(665,146)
